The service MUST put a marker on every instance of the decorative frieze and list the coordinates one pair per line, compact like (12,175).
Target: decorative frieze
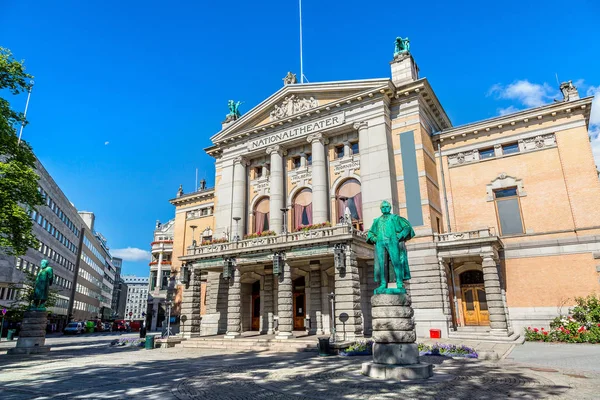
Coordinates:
(293,105)
(525,145)
(347,166)
(300,177)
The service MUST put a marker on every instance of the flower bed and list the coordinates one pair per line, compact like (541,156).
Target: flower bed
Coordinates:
(259,234)
(359,348)
(305,228)
(448,350)
(583,326)
(128,342)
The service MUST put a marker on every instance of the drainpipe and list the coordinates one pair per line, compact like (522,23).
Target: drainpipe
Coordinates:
(456,311)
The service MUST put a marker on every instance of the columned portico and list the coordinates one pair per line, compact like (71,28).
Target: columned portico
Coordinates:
(491,279)
(319,178)
(234,316)
(239,193)
(285,304)
(277,198)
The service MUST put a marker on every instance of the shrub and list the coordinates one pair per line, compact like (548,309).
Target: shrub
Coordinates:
(449,350)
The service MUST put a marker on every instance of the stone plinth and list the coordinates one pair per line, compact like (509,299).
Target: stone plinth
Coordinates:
(33,334)
(395,353)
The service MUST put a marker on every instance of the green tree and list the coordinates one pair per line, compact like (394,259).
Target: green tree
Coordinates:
(18,179)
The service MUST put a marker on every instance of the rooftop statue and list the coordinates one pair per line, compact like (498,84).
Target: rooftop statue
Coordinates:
(290,79)
(388,233)
(41,288)
(234,112)
(402,46)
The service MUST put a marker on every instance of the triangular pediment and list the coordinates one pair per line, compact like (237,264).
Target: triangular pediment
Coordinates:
(295,100)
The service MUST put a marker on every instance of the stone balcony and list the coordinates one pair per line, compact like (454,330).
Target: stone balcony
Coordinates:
(321,237)
(162,246)
(464,243)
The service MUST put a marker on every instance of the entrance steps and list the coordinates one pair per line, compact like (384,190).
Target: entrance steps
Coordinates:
(482,334)
(258,343)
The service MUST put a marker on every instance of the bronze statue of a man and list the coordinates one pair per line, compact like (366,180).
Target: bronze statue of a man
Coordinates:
(388,233)
(41,289)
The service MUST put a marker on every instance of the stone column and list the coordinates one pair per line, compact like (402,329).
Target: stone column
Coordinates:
(190,306)
(348,317)
(493,293)
(285,304)
(444,287)
(234,314)
(319,178)
(316,314)
(159,273)
(238,209)
(277,197)
(268,305)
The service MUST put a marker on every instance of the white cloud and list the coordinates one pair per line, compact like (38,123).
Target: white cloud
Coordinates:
(527,93)
(107,142)
(595,113)
(131,254)
(507,110)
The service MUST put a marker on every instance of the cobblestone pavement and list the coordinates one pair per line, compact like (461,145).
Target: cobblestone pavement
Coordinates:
(97,371)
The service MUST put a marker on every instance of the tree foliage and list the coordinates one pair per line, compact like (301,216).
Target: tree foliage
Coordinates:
(18,179)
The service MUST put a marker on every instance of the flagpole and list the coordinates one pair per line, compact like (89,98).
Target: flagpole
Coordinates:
(301,63)
(25,113)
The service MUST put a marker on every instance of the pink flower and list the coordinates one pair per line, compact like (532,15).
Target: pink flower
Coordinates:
(536,329)
(581,329)
(545,333)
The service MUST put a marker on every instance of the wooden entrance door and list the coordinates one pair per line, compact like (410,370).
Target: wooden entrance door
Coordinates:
(475,308)
(256,312)
(299,311)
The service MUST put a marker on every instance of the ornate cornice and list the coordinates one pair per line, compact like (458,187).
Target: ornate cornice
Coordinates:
(193,197)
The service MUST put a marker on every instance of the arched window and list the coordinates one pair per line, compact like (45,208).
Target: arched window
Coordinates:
(261,215)
(302,208)
(349,201)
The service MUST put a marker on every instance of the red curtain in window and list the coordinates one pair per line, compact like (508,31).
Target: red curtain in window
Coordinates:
(358,204)
(308,210)
(298,209)
(259,221)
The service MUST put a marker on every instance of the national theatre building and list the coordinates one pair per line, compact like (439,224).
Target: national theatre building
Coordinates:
(505,212)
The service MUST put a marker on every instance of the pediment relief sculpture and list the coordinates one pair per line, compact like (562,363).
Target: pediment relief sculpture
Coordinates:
(293,105)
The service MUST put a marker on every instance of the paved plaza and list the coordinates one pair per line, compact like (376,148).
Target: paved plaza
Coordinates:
(88,368)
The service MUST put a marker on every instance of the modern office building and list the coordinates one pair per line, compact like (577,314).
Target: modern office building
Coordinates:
(57,227)
(160,273)
(137,297)
(119,297)
(505,212)
(92,291)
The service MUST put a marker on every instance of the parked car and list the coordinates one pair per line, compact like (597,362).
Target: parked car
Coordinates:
(73,328)
(106,327)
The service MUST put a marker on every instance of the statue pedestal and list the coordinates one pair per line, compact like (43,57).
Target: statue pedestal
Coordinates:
(395,353)
(33,334)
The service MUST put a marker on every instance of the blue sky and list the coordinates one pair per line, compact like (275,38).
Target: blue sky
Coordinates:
(128,93)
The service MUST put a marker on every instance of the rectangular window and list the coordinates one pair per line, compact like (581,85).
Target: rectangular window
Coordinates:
(257,172)
(486,153)
(509,211)
(308,159)
(355,149)
(296,163)
(510,148)
(339,152)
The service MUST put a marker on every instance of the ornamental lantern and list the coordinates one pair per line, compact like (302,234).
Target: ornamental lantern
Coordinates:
(227,268)
(277,263)
(339,257)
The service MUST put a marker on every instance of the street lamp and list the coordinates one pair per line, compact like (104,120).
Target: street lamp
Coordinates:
(332,300)
(237,229)
(284,211)
(193,234)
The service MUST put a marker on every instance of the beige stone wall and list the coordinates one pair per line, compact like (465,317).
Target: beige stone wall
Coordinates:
(550,281)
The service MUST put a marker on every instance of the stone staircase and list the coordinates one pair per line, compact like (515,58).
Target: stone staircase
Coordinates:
(251,344)
(482,334)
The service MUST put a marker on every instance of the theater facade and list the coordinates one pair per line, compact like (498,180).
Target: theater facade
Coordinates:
(505,213)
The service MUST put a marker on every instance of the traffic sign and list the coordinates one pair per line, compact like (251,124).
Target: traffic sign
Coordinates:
(130,313)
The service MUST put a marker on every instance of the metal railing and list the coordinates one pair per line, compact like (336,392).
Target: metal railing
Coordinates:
(466,235)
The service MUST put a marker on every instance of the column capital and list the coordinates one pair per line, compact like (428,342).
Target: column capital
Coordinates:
(276,149)
(313,137)
(360,126)
(241,160)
